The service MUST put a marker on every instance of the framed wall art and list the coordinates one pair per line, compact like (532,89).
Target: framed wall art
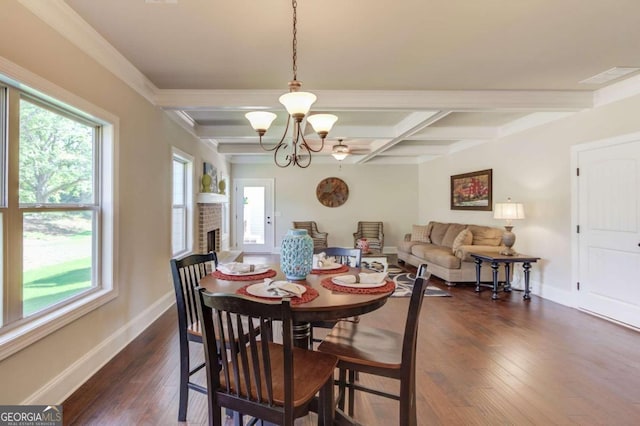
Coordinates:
(472,191)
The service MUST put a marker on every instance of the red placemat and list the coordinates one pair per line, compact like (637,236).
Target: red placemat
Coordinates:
(307,296)
(270,273)
(343,268)
(387,288)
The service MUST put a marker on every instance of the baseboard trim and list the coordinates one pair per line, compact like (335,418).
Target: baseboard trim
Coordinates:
(68,381)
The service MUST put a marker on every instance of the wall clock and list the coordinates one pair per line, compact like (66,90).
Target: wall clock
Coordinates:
(332,192)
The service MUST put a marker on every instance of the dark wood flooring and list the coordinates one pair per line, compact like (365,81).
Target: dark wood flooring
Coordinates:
(480,362)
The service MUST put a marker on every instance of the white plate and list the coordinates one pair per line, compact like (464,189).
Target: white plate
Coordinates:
(330,267)
(257,271)
(336,280)
(260,290)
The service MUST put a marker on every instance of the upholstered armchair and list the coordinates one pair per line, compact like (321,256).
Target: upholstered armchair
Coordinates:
(319,238)
(373,232)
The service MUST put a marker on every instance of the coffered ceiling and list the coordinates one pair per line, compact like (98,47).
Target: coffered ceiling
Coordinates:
(410,80)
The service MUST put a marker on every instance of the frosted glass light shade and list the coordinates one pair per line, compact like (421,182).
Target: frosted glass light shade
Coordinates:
(340,152)
(508,211)
(322,123)
(298,103)
(260,120)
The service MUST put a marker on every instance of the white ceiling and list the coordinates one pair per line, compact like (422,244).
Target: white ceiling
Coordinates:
(410,80)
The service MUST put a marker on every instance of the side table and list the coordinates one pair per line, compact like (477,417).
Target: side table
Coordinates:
(495,259)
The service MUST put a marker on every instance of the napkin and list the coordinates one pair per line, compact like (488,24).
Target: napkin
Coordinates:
(362,278)
(238,268)
(321,260)
(283,285)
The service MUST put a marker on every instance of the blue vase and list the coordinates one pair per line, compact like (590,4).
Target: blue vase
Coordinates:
(296,254)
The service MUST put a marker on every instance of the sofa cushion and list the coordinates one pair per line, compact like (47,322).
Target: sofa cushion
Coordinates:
(405,246)
(437,232)
(420,233)
(465,237)
(485,235)
(452,232)
(438,255)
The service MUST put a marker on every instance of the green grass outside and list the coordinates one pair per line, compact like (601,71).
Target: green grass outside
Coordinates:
(43,287)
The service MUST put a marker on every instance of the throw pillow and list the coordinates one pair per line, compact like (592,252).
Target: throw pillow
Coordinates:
(419,233)
(464,238)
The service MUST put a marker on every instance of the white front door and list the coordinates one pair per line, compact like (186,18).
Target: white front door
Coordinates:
(609,237)
(254,225)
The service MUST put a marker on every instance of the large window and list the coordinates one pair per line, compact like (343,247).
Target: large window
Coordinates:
(56,235)
(181,217)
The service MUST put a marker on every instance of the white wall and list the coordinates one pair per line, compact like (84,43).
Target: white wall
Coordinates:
(532,167)
(376,193)
(47,370)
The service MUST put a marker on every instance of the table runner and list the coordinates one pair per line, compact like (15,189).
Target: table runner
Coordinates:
(387,288)
(270,273)
(343,268)
(307,296)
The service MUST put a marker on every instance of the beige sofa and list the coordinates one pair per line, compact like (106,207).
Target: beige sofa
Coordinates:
(445,248)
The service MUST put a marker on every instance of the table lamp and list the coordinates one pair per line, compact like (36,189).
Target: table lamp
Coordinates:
(508,211)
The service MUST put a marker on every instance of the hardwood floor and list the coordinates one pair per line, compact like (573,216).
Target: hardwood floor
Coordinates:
(480,362)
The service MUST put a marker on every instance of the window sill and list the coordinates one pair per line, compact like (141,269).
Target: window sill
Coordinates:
(30,331)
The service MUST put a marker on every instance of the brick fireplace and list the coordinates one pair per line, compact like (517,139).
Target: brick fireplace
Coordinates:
(209,225)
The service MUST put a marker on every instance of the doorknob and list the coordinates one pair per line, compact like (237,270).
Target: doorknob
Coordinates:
(268,220)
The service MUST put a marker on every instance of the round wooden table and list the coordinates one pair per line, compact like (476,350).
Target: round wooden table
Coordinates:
(329,305)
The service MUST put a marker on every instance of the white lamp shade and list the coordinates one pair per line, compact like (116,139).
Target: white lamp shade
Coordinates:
(340,152)
(508,211)
(322,122)
(298,102)
(260,120)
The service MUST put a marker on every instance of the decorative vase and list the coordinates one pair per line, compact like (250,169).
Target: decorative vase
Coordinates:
(363,245)
(206,183)
(296,254)
(222,186)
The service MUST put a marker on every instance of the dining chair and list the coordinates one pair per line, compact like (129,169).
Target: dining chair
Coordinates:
(270,381)
(380,352)
(345,256)
(187,273)
(373,232)
(319,238)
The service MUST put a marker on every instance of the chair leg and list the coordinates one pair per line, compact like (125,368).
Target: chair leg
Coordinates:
(408,415)
(352,392)
(326,409)
(215,415)
(342,380)
(184,381)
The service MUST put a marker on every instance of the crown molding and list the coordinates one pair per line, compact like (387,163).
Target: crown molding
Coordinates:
(62,18)
(617,92)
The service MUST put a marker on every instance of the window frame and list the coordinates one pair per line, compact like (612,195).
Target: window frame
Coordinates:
(187,160)
(20,333)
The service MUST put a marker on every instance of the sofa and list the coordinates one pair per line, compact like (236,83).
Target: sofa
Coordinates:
(446,248)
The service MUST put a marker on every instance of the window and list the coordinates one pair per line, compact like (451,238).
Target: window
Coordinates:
(181,216)
(56,220)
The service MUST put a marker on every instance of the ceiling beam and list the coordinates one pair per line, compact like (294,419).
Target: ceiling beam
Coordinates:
(381,100)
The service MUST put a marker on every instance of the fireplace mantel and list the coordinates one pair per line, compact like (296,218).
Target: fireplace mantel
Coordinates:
(211,198)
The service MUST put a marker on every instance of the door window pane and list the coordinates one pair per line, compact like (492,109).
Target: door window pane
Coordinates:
(56,157)
(57,257)
(254,208)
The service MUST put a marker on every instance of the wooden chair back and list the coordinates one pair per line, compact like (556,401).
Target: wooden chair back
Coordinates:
(240,378)
(409,343)
(187,273)
(346,256)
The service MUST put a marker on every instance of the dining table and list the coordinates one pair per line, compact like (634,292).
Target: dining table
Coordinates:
(329,304)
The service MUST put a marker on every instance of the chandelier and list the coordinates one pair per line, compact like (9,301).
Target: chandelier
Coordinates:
(297,151)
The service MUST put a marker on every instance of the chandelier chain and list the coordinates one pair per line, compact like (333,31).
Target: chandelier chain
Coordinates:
(295,39)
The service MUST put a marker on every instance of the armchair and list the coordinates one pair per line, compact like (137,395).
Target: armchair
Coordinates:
(319,238)
(373,232)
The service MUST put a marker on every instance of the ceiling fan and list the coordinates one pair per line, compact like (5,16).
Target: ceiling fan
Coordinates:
(340,151)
